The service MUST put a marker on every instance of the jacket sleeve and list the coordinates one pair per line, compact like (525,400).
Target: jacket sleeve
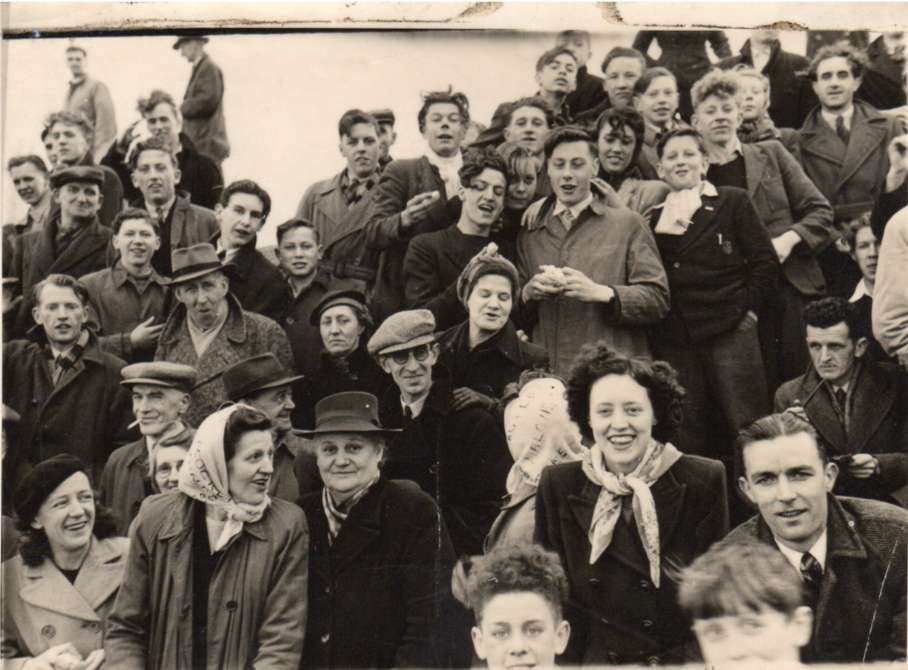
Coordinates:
(719,43)
(811,211)
(644,299)
(642,42)
(383,230)
(307,205)
(280,637)
(890,301)
(759,254)
(280,346)
(887,206)
(12,647)
(421,286)
(205,94)
(105,120)
(208,183)
(528,311)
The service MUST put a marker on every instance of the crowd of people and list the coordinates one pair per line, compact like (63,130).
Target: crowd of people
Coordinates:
(619,378)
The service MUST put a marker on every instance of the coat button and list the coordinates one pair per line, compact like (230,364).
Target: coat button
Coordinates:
(48,631)
(328,590)
(644,585)
(595,583)
(653,661)
(231,605)
(648,625)
(290,320)
(677,265)
(325,638)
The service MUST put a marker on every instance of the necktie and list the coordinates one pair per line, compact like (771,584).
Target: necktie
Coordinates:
(812,574)
(567,219)
(841,130)
(408,414)
(59,369)
(841,398)
(159,212)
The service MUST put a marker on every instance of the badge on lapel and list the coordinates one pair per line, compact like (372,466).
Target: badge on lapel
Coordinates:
(726,247)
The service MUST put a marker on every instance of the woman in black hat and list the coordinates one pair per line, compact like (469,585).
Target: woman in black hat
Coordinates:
(60,589)
(380,559)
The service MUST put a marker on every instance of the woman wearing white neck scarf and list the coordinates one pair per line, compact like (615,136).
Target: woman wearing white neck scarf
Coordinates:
(630,514)
(217,577)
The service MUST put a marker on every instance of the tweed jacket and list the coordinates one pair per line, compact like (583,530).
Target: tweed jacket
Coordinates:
(243,336)
(860,616)
(203,110)
(90,97)
(42,609)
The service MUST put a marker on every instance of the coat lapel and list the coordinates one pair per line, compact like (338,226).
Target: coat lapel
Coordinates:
(361,528)
(874,395)
(180,213)
(101,573)
(866,136)
(754,165)
(88,242)
(702,218)
(819,139)
(822,414)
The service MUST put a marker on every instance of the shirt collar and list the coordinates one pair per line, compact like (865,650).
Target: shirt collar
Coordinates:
(574,209)
(830,117)
(734,151)
(228,253)
(38,210)
(818,551)
(165,208)
(860,291)
(416,406)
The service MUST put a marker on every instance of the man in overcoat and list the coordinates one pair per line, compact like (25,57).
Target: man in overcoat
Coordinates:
(203,103)
(91,98)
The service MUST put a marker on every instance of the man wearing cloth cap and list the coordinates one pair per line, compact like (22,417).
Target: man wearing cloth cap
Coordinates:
(160,398)
(386,135)
(459,457)
(203,104)
(263,383)
(210,331)
(73,242)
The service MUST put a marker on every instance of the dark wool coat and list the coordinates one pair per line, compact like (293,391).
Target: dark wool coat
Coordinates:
(203,110)
(886,207)
(878,424)
(257,599)
(379,595)
(883,83)
(125,483)
(617,615)
(860,616)
(305,339)
(587,94)
(256,282)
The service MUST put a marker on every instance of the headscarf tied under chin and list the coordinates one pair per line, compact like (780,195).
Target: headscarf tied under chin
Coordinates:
(204,477)
(657,459)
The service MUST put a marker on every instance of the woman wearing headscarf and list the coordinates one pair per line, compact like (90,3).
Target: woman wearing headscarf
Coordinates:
(59,591)
(216,576)
(630,514)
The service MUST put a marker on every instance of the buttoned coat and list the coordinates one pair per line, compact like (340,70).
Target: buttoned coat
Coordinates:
(305,339)
(203,110)
(256,603)
(850,177)
(617,614)
(243,336)
(860,615)
(878,424)
(42,609)
(378,593)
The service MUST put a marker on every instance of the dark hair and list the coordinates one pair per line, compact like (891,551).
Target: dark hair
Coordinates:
(857,59)
(287,226)
(443,97)
(248,187)
(60,280)
(854,226)
(829,312)
(147,105)
(16,161)
(514,568)
(355,117)
(620,118)
(623,52)
(650,74)
(566,35)
(77,119)
(243,420)
(155,143)
(533,101)
(720,83)
(660,380)
(789,422)
(680,132)
(566,135)
(733,578)
(131,213)
(550,55)
(479,159)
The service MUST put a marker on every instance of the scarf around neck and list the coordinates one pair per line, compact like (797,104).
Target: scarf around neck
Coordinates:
(657,459)
(448,168)
(337,514)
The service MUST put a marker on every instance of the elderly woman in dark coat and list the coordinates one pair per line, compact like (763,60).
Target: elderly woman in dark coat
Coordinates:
(380,557)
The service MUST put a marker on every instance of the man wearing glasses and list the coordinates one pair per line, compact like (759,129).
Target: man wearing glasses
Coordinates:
(459,457)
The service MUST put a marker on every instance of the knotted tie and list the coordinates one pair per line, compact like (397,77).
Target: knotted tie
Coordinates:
(841,397)
(408,414)
(567,219)
(841,130)
(812,574)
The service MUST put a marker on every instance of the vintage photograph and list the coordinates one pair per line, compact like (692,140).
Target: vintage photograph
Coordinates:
(453,335)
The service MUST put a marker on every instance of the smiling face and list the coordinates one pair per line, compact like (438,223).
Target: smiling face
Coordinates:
(717,119)
(167,464)
(764,637)
(484,200)
(162,122)
(249,471)
(490,303)
(299,252)
(29,181)
(520,630)
(682,164)
(621,420)
(833,351)
(866,253)
(67,516)
(414,377)
(136,242)
(157,407)
(658,104)
(61,313)
(620,76)
(347,462)
(559,76)
(522,185)
(361,149)
(79,201)
(156,176)
(70,144)
(752,98)
(571,168)
(616,148)
(444,128)
(835,85)
(275,403)
(204,297)
(528,127)
(785,477)
(340,330)
(240,219)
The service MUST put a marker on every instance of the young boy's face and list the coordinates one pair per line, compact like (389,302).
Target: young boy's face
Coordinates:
(520,630)
(299,252)
(767,636)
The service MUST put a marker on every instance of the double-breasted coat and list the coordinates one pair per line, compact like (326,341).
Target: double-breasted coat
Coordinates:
(203,110)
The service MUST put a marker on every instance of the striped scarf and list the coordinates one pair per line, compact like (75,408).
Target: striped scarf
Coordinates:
(68,359)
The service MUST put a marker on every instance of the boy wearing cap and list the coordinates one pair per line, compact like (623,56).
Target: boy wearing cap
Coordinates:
(386,135)
(203,104)
(160,398)
(459,457)
(209,330)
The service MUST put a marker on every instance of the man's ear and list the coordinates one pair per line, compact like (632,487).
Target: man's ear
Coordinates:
(744,485)
(135,182)
(695,122)
(562,635)
(385,365)
(176,175)
(56,193)
(831,473)
(860,347)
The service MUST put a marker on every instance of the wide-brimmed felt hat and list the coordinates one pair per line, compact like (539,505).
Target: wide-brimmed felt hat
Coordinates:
(194,262)
(353,412)
(349,297)
(404,330)
(182,39)
(160,373)
(255,374)
(78,173)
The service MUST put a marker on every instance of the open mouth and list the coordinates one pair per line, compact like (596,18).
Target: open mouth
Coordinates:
(76,527)
(621,441)
(261,483)
(445,138)
(568,188)
(792,514)
(488,209)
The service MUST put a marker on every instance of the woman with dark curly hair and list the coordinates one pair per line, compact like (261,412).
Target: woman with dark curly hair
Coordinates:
(60,589)
(630,515)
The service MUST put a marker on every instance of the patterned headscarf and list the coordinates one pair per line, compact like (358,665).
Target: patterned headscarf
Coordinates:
(487,261)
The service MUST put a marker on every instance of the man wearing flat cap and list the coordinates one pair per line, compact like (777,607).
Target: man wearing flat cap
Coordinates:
(459,457)
(160,398)
(203,104)
(210,331)
(263,383)
(386,135)
(73,242)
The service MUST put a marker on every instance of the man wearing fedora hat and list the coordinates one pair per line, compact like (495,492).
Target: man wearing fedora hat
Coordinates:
(263,383)
(160,399)
(203,104)
(459,457)
(210,331)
